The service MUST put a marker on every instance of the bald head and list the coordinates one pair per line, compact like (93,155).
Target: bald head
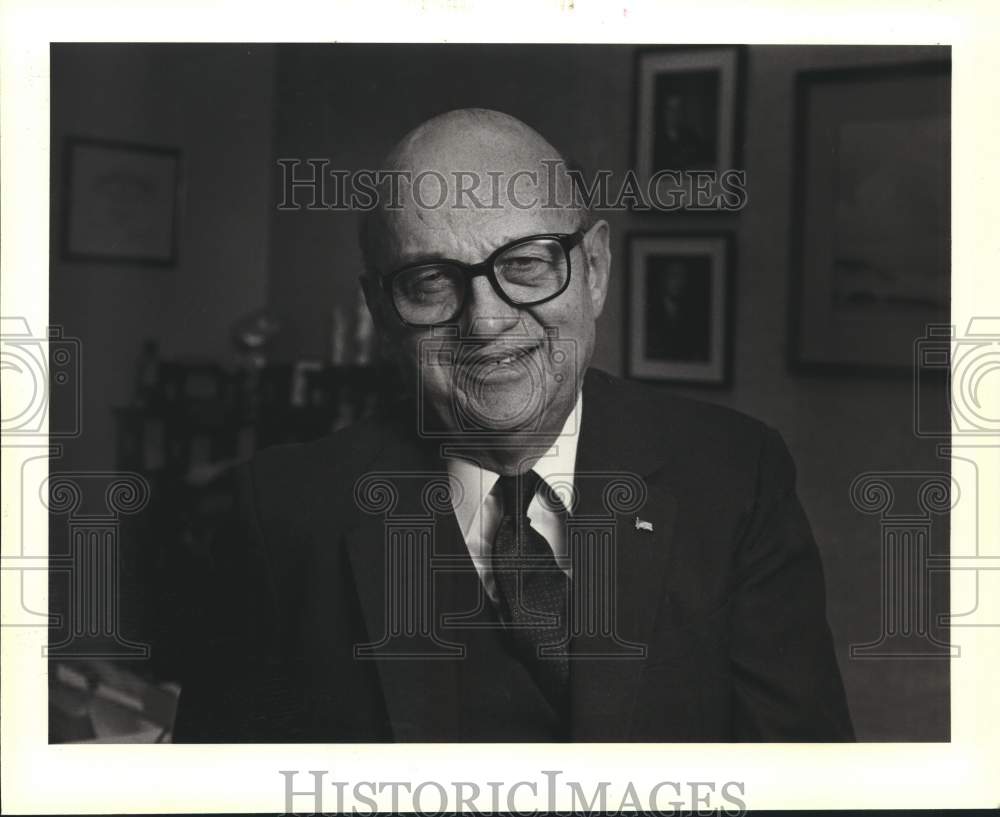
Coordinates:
(465,171)
(469,137)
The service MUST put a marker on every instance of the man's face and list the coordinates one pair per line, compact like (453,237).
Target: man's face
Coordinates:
(513,369)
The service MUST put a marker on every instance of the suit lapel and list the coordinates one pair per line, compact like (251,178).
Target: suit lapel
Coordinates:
(617,487)
(389,552)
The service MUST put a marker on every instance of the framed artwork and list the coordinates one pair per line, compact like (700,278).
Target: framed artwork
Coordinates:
(870,259)
(679,302)
(688,121)
(120,202)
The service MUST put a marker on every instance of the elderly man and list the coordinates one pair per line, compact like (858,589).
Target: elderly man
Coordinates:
(525,548)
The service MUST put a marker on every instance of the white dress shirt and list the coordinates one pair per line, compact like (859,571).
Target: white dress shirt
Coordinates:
(478,508)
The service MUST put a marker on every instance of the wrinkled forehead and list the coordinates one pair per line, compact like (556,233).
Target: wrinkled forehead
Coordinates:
(466,234)
(464,200)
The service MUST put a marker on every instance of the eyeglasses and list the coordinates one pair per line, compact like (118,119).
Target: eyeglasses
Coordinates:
(525,272)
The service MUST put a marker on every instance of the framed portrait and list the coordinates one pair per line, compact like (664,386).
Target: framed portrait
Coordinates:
(870,257)
(121,202)
(688,122)
(679,318)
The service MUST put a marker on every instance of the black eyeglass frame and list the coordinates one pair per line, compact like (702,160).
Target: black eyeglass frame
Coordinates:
(566,240)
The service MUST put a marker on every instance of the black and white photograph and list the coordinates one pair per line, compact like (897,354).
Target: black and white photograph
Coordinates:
(366,446)
(688,118)
(678,327)
(121,202)
(872,240)
(392,403)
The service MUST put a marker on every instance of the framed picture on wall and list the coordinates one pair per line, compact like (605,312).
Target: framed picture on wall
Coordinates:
(679,307)
(688,129)
(870,265)
(120,202)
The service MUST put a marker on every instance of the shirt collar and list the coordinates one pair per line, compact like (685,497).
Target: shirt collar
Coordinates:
(557,465)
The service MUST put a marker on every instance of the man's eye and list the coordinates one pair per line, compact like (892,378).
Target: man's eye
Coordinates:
(431,278)
(524,260)
(524,268)
(524,263)
(427,282)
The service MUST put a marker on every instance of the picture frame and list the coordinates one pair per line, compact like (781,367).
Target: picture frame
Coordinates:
(679,307)
(870,253)
(121,202)
(688,121)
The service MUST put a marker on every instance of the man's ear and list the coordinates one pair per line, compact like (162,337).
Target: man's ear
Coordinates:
(597,248)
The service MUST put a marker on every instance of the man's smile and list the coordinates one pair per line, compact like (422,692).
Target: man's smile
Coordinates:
(499,362)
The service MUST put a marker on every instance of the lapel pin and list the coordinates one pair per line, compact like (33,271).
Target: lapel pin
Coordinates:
(642,524)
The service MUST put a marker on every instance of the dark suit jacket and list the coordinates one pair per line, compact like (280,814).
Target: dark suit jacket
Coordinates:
(725,593)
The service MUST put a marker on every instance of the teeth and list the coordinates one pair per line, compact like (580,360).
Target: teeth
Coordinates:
(503,360)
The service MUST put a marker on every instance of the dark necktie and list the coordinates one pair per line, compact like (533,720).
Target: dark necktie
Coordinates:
(532,590)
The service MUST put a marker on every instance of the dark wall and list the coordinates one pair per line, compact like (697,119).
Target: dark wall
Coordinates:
(214,104)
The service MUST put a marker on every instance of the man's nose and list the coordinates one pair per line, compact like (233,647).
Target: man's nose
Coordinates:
(486,312)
